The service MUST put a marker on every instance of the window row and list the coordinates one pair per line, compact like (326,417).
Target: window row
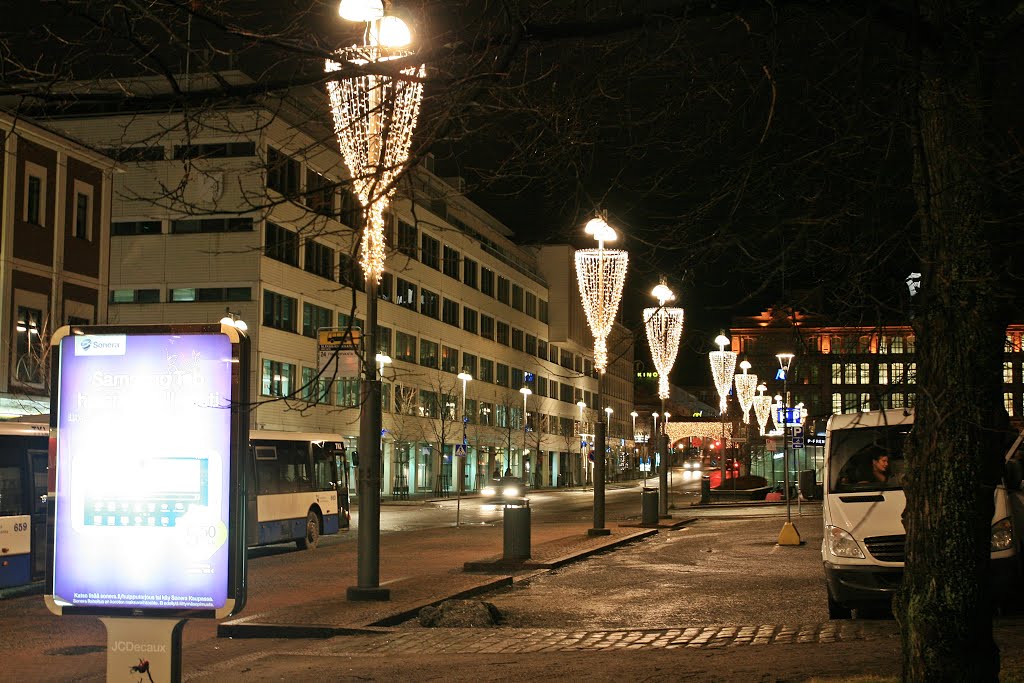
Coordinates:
(450,261)
(886,373)
(180,294)
(857,402)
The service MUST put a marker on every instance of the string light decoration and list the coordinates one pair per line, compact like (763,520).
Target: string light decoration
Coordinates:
(374,119)
(600,274)
(762,407)
(746,385)
(664,329)
(723,365)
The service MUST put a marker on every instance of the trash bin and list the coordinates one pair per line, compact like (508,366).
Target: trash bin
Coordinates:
(705,490)
(517,530)
(649,506)
(808,485)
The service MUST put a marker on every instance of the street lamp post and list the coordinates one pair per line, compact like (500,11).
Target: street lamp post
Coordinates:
(525,391)
(723,365)
(461,464)
(600,275)
(789,535)
(634,415)
(375,115)
(664,327)
(583,460)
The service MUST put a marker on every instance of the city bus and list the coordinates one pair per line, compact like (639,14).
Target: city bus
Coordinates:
(298,487)
(23,467)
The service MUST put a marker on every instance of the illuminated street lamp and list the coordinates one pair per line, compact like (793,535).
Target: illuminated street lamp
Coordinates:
(461,464)
(634,415)
(525,391)
(664,327)
(762,407)
(600,275)
(230,318)
(608,411)
(746,385)
(584,469)
(375,114)
(723,365)
(383,359)
(789,535)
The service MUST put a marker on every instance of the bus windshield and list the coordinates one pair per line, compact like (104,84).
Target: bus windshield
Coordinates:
(867,458)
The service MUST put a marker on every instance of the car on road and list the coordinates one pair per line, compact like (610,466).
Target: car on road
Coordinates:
(507,489)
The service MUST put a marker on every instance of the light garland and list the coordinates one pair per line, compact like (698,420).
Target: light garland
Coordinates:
(762,408)
(664,329)
(723,365)
(703,430)
(600,274)
(746,385)
(374,119)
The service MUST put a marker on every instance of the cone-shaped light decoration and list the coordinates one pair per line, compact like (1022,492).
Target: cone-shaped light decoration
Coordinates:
(723,365)
(600,274)
(762,407)
(374,118)
(664,329)
(746,385)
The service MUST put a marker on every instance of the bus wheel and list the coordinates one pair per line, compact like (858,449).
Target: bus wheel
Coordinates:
(312,537)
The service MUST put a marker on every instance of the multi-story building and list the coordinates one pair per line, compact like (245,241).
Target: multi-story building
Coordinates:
(246,211)
(846,368)
(54,229)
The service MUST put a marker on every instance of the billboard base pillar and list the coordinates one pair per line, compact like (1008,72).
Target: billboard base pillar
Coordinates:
(144,647)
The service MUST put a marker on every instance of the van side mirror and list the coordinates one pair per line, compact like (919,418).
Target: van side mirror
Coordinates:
(1014,474)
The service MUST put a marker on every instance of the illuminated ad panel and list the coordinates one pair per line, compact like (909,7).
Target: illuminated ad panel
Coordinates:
(143,472)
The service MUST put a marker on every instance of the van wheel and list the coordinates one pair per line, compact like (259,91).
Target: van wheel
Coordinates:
(312,537)
(837,611)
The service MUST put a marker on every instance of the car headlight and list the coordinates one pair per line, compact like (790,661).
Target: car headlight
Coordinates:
(841,543)
(487,490)
(510,492)
(1002,535)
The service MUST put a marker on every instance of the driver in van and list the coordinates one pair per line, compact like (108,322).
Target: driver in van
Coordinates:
(868,466)
(880,467)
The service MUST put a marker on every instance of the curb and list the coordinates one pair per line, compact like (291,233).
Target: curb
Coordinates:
(502,564)
(249,627)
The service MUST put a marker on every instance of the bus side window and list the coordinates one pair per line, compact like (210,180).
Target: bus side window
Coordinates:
(10,491)
(39,468)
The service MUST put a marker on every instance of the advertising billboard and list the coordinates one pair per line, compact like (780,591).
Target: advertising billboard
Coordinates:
(146,477)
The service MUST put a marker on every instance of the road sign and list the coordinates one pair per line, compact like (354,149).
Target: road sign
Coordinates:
(460,450)
(798,437)
(336,351)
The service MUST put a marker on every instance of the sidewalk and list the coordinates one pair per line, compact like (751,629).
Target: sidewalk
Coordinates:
(418,576)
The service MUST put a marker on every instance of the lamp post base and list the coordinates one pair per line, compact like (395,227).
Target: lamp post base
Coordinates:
(789,535)
(360,594)
(599,532)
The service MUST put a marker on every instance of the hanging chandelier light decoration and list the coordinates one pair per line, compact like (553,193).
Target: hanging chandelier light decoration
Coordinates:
(664,329)
(723,365)
(762,408)
(600,274)
(746,385)
(374,118)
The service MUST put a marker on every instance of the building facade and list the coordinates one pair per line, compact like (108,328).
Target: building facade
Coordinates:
(55,204)
(246,212)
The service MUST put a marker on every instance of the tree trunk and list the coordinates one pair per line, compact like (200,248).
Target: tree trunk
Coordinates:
(944,608)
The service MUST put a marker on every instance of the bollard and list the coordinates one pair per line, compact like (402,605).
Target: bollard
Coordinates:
(649,506)
(705,490)
(517,530)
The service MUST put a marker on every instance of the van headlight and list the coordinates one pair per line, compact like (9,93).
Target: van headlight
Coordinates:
(841,543)
(1002,535)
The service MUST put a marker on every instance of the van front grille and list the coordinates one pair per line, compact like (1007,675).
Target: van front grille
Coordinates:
(886,548)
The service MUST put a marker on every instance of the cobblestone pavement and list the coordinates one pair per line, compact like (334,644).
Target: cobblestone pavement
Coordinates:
(506,641)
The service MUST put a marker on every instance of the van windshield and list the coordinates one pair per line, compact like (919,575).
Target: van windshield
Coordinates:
(867,458)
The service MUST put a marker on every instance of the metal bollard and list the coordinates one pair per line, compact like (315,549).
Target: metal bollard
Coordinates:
(649,506)
(705,490)
(517,530)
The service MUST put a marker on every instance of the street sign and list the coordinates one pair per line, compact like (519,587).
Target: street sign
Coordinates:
(792,416)
(460,450)
(798,437)
(336,351)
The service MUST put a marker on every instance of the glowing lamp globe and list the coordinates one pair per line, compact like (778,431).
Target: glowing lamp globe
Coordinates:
(361,10)
(393,33)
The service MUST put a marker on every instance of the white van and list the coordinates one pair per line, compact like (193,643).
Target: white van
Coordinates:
(864,537)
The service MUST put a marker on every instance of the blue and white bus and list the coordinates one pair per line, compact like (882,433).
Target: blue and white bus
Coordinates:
(23,468)
(298,487)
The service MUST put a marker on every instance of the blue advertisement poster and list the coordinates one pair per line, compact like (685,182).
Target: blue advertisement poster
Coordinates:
(143,456)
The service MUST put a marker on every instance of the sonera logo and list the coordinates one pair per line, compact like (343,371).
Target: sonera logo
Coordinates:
(129,646)
(86,343)
(100,345)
